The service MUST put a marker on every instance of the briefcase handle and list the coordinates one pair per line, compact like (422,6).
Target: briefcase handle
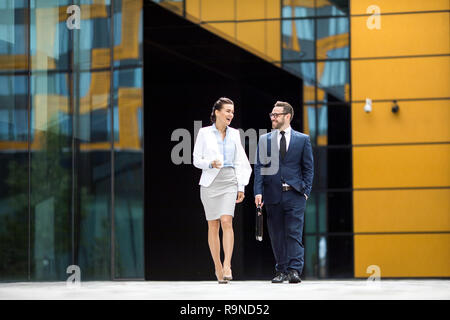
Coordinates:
(259,224)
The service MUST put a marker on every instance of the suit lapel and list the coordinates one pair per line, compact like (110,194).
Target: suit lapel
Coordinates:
(213,140)
(291,143)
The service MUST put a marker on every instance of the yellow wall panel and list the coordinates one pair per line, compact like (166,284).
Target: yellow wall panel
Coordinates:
(401,210)
(193,9)
(402,35)
(401,166)
(360,6)
(403,255)
(401,78)
(417,121)
(273,48)
(273,9)
(250,9)
(213,10)
(252,34)
(225,30)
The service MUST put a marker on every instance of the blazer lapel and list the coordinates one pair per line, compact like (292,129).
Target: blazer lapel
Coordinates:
(291,143)
(213,141)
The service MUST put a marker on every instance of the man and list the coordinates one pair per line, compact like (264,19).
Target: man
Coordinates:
(283,181)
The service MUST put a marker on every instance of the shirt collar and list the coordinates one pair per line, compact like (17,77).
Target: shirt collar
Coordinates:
(287,131)
(215,128)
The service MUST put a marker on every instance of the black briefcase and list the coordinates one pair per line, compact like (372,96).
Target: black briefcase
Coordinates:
(259,224)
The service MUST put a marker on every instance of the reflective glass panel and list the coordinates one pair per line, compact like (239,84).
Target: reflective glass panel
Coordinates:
(92,154)
(13,178)
(298,39)
(332,38)
(332,8)
(128,28)
(13,35)
(50,42)
(51,177)
(91,42)
(128,175)
(292,8)
(333,77)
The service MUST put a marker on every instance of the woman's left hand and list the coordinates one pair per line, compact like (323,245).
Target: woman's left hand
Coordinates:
(240,197)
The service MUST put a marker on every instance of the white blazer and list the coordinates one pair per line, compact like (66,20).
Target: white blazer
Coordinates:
(206,150)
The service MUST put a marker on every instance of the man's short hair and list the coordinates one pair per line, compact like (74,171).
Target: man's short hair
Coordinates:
(287,108)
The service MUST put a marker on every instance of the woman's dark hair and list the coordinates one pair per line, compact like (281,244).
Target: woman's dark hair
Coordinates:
(218,106)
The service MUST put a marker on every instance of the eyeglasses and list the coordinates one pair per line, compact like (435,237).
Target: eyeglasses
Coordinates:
(275,115)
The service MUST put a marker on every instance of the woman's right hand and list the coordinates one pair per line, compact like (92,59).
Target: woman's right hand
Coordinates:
(216,164)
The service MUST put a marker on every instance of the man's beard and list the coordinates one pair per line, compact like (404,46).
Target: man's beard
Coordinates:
(277,125)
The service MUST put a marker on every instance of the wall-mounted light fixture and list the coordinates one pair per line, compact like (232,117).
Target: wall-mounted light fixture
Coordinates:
(368,105)
(395,107)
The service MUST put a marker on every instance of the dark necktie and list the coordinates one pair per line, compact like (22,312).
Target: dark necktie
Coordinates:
(282,145)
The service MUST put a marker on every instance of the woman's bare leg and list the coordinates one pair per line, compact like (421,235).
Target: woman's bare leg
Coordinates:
(226,222)
(214,246)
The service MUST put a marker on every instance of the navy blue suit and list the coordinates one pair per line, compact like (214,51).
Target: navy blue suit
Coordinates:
(285,209)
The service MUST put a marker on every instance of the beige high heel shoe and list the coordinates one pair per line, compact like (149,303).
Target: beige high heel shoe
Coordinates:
(221,281)
(227,276)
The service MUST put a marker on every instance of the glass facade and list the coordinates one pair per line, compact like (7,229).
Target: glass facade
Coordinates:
(71,139)
(315,46)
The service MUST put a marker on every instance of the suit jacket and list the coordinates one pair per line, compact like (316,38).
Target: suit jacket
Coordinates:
(296,169)
(206,150)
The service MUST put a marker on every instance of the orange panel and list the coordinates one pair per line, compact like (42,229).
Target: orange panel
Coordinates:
(401,166)
(250,9)
(402,78)
(213,10)
(417,121)
(401,210)
(402,35)
(273,49)
(252,34)
(403,255)
(360,6)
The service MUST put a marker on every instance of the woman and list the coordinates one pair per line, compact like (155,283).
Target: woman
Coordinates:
(225,172)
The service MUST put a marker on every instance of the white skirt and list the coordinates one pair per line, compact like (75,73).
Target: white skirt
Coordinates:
(220,197)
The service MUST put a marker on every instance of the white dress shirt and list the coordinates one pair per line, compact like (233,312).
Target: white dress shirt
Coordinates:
(206,149)
(287,135)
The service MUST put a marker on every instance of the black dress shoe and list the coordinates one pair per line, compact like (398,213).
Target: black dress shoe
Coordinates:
(280,277)
(293,276)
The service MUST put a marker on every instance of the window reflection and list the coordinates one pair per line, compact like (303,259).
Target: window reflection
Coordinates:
(333,76)
(13,35)
(310,214)
(306,70)
(128,28)
(64,159)
(329,256)
(311,251)
(93,169)
(51,180)
(13,179)
(332,38)
(92,40)
(49,36)
(128,174)
(332,8)
(292,8)
(298,39)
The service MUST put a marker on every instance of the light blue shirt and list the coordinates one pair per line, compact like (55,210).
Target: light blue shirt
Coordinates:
(227,147)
